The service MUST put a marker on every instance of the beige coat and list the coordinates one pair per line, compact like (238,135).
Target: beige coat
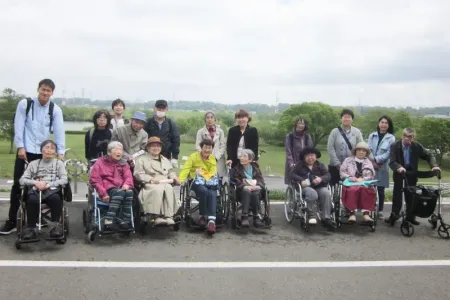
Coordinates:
(131,140)
(220,144)
(158,199)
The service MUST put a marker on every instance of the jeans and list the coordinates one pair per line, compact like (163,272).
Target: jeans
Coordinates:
(207,198)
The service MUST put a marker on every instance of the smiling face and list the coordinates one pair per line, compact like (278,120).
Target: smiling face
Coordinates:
(407,138)
(310,159)
(118,109)
(154,149)
(242,121)
(300,126)
(44,93)
(361,153)
(206,150)
(346,120)
(48,151)
(137,124)
(383,125)
(245,159)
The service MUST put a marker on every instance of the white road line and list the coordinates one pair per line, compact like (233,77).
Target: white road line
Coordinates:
(223,265)
(195,202)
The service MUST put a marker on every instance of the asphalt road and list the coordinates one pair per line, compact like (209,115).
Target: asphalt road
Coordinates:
(283,243)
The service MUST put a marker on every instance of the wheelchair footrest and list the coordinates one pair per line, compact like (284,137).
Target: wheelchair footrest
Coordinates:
(30,241)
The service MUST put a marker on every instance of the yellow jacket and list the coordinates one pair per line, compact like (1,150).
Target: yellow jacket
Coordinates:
(194,162)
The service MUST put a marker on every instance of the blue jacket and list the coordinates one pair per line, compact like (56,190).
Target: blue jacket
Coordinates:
(381,154)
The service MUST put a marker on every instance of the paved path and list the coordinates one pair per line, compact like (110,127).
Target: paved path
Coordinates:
(291,264)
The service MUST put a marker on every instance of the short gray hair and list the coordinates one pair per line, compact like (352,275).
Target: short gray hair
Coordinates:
(249,153)
(409,131)
(113,145)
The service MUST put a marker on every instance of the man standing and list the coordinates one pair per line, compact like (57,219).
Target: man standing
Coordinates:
(118,106)
(34,121)
(166,130)
(405,155)
(132,136)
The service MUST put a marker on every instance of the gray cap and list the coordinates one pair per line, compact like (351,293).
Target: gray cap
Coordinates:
(139,116)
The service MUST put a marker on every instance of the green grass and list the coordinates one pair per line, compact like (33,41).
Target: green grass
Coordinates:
(271,162)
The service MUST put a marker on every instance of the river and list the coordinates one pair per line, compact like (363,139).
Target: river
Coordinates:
(76,125)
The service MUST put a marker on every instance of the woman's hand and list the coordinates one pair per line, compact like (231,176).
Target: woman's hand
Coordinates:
(125,187)
(229,163)
(105,199)
(198,171)
(317,180)
(154,181)
(176,181)
(359,179)
(352,179)
(41,185)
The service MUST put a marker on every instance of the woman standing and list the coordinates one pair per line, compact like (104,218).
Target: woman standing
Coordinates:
(295,142)
(380,143)
(96,139)
(213,132)
(240,137)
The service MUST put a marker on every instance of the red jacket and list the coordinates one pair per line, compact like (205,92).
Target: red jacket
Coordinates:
(107,173)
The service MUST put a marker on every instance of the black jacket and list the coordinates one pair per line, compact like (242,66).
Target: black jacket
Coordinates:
(98,145)
(417,152)
(168,134)
(301,171)
(238,175)
(251,140)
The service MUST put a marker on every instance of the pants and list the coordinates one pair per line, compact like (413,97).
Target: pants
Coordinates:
(53,201)
(312,195)
(381,196)
(397,199)
(207,198)
(249,199)
(335,175)
(120,199)
(19,169)
(358,197)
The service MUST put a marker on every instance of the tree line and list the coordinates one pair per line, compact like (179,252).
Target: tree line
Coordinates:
(433,133)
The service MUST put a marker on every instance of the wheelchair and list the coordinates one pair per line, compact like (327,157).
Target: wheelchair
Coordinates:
(95,212)
(144,221)
(188,209)
(236,207)
(341,214)
(295,206)
(44,216)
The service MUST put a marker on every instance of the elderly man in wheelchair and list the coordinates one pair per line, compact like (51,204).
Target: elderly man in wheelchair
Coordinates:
(201,168)
(313,178)
(249,185)
(43,182)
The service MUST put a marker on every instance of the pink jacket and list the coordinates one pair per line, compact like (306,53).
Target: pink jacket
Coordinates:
(107,173)
(349,169)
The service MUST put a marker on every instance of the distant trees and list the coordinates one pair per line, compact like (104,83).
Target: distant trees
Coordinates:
(434,134)
(8,101)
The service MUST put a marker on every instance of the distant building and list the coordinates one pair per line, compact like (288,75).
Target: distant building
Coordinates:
(438,116)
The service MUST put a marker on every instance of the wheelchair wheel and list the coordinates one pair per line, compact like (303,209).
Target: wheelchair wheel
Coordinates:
(20,221)
(91,236)
(18,243)
(224,195)
(87,221)
(433,221)
(290,205)
(443,231)
(66,222)
(407,229)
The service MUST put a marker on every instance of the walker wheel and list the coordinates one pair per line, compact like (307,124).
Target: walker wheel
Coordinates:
(18,244)
(433,221)
(61,241)
(91,237)
(407,229)
(176,227)
(443,231)
(373,228)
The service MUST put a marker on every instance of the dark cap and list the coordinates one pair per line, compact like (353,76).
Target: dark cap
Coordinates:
(161,103)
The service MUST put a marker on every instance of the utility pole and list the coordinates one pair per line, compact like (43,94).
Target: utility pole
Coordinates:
(276,102)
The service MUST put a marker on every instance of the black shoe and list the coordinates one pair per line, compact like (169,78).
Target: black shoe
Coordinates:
(328,224)
(29,234)
(56,232)
(413,221)
(392,219)
(8,227)
(257,222)
(124,226)
(244,222)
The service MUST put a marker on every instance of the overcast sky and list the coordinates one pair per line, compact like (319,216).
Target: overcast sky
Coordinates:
(231,51)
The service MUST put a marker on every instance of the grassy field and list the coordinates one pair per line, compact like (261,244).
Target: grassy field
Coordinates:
(271,162)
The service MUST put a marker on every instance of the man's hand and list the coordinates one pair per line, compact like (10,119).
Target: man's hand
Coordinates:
(317,180)
(125,187)
(229,163)
(105,199)
(40,185)
(174,163)
(436,169)
(22,154)
(401,170)
(292,166)
(198,171)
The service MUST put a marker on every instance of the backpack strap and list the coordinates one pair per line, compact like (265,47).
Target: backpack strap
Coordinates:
(50,114)
(30,103)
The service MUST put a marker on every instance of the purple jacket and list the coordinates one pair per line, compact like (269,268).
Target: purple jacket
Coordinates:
(349,169)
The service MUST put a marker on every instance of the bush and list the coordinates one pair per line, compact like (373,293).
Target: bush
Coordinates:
(75,132)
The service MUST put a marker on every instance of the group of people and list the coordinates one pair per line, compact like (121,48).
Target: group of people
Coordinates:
(352,162)
(141,154)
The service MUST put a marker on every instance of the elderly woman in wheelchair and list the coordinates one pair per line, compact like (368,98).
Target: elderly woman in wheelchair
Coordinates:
(43,182)
(313,177)
(156,175)
(357,174)
(112,180)
(201,168)
(248,181)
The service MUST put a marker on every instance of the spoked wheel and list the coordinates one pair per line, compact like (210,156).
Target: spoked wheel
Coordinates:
(290,205)
(85,221)
(433,221)
(224,195)
(66,222)
(407,229)
(443,231)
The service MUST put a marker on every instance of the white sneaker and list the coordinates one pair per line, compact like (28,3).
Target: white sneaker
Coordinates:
(159,221)
(170,221)
(312,221)
(352,219)
(380,215)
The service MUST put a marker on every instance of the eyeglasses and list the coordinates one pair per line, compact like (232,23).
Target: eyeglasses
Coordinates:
(408,136)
